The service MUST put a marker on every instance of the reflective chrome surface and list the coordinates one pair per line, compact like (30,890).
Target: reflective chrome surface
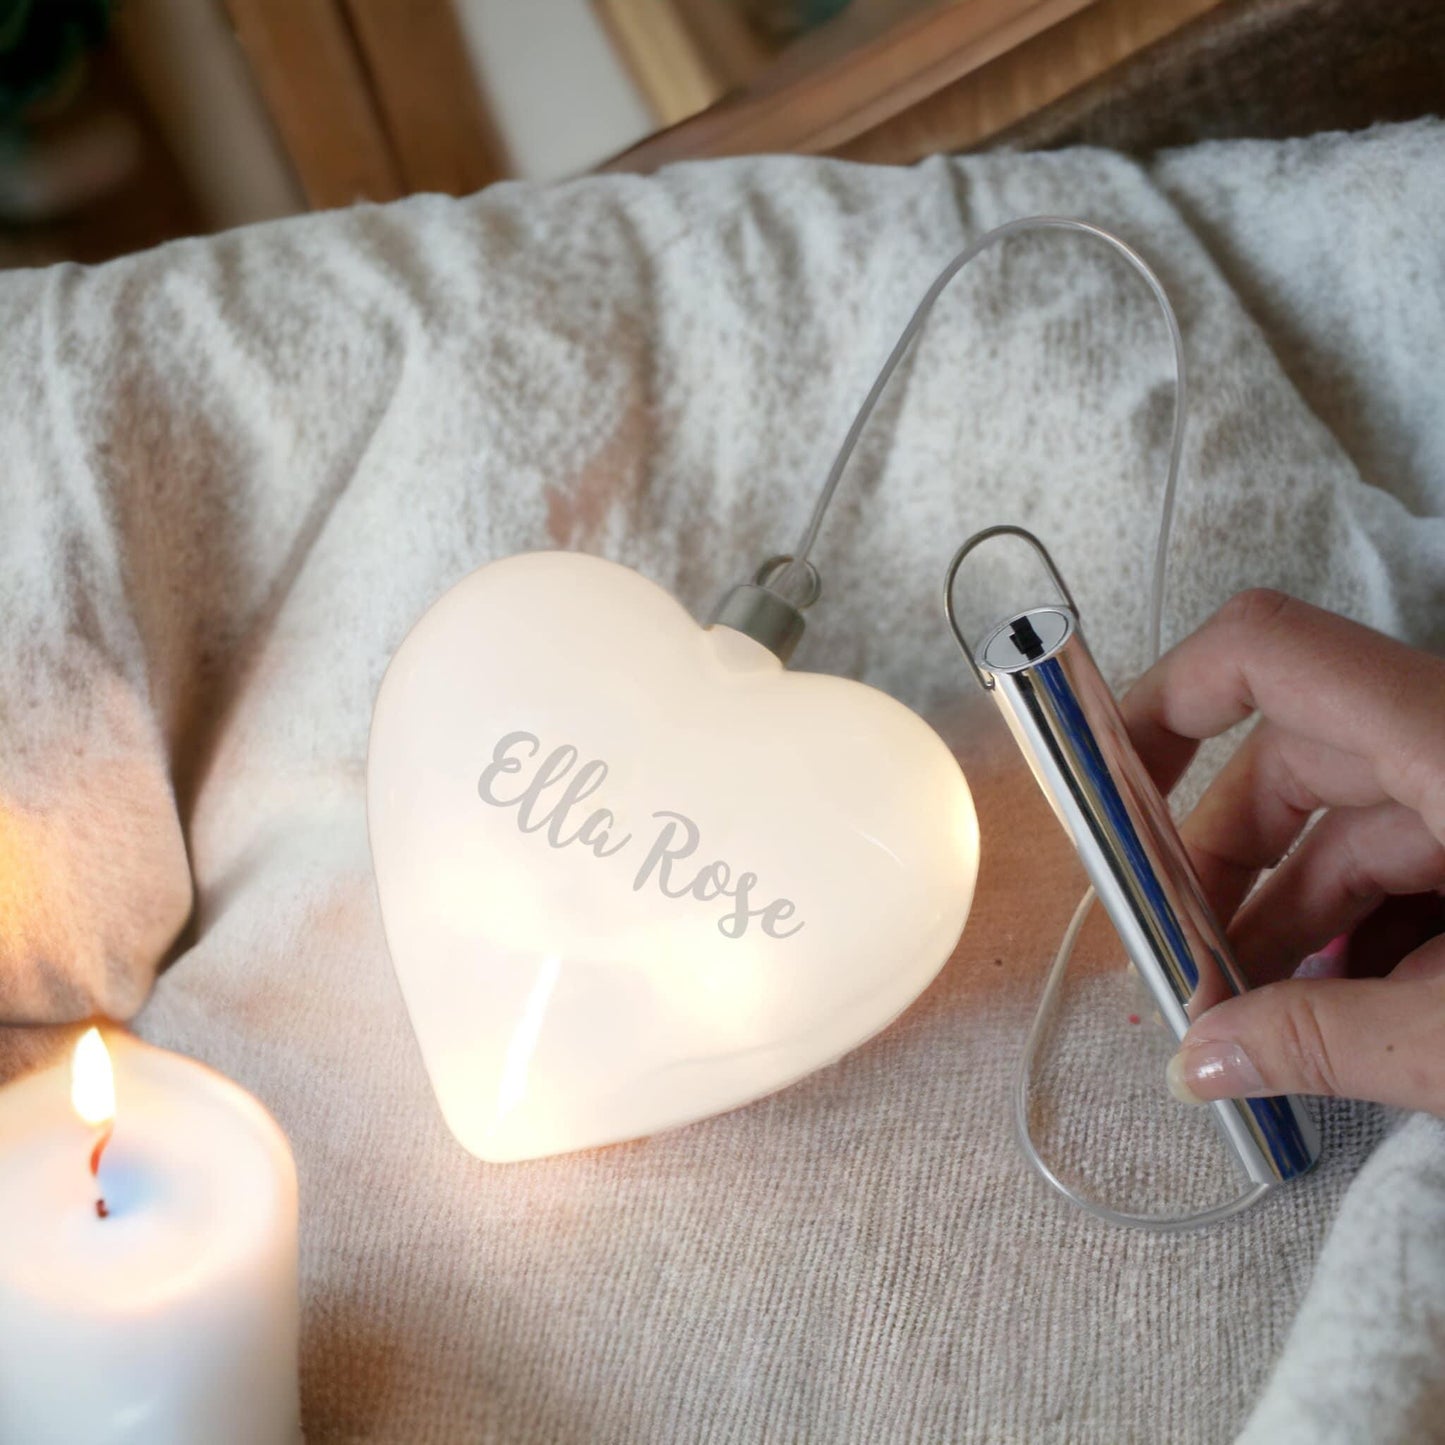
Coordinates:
(1069,727)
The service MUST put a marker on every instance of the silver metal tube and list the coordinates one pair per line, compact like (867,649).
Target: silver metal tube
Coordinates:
(1040,672)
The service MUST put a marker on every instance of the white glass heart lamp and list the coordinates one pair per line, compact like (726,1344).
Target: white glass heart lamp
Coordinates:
(632,871)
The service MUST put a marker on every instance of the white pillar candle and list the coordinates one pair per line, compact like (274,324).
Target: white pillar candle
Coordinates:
(172,1318)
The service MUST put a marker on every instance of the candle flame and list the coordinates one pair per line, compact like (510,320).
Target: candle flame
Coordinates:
(92,1081)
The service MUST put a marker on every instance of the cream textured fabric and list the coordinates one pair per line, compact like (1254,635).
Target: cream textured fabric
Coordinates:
(236,469)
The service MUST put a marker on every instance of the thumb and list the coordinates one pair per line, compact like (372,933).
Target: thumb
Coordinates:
(1380,1039)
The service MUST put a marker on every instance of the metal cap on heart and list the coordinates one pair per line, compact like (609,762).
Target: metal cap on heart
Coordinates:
(632,872)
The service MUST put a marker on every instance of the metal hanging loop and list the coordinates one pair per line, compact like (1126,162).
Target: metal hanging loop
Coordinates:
(1004,529)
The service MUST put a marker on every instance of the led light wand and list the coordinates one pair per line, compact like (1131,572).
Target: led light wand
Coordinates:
(1039,671)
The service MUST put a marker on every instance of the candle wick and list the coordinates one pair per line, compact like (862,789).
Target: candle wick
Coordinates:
(102,1209)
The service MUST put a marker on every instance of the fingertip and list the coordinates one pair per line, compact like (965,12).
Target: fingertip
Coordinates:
(1213,1069)
(1176,1078)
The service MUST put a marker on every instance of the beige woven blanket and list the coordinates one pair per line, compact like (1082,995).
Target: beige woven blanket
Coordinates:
(235,470)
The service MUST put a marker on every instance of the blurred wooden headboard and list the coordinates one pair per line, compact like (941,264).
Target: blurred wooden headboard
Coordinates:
(376,98)
(913,79)
(372,99)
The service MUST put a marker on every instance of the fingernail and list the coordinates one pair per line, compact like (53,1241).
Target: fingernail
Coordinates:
(1222,1070)
(1330,962)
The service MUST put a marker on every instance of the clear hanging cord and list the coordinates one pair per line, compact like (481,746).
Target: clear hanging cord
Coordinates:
(797,575)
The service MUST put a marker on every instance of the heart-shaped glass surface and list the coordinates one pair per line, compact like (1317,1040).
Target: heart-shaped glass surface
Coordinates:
(632,872)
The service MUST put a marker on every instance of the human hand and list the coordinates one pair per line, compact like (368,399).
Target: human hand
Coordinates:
(1350,722)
